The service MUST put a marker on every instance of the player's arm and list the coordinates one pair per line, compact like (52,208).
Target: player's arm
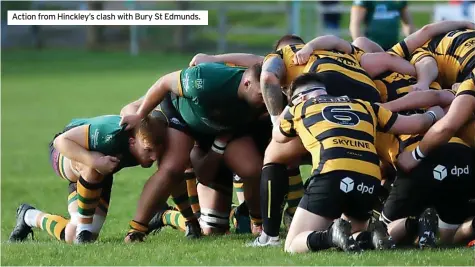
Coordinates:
(283,131)
(367,45)
(460,112)
(399,124)
(168,83)
(206,164)
(131,108)
(418,38)
(427,72)
(74,144)
(407,21)
(358,13)
(273,71)
(326,42)
(420,99)
(239,59)
(377,63)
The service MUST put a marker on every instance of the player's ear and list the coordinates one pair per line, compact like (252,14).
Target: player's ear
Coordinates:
(247,83)
(131,141)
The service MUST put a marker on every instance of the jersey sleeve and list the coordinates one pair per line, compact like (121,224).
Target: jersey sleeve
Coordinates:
(467,87)
(104,137)
(400,49)
(385,118)
(435,86)
(287,123)
(419,54)
(187,76)
(277,53)
(357,52)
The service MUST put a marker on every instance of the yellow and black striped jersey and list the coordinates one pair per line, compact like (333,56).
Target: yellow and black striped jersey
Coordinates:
(340,69)
(339,132)
(467,87)
(393,85)
(454,52)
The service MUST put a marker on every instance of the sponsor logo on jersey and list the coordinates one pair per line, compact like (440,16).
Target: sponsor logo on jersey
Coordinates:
(95,138)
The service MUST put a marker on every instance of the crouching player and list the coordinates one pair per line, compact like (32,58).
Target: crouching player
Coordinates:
(86,154)
(340,134)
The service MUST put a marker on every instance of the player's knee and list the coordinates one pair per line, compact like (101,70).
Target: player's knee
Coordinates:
(214,222)
(90,175)
(272,155)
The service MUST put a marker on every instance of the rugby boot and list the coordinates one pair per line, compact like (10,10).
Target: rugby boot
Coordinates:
(156,223)
(84,237)
(428,223)
(21,230)
(192,229)
(340,236)
(380,237)
(265,241)
(240,218)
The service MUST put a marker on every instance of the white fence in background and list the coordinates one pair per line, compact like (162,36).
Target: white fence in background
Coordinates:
(292,12)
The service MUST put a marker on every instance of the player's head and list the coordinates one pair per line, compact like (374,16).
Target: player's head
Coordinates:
(306,86)
(288,39)
(147,140)
(252,87)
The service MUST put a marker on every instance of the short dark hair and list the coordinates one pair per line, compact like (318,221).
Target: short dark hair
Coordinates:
(304,79)
(255,71)
(288,38)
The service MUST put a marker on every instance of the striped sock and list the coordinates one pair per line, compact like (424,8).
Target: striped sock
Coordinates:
(191,187)
(137,227)
(175,219)
(88,195)
(295,190)
(54,225)
(182,202)
(239,188)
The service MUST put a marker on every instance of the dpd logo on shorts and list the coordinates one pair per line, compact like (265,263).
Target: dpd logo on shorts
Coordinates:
(459,171)
(440,172)
(347,185)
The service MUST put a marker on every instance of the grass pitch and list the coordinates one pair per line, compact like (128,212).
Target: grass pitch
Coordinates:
(41,92)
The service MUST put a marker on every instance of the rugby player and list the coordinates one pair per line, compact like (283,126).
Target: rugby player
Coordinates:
(208,99)
(87,153)
(340,134)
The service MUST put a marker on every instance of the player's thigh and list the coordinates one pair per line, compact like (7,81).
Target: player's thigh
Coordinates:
(176,157)
(284,153)
(243,157)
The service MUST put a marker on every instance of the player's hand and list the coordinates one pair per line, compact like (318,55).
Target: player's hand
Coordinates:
(106,164)
(419,87)
(131,121)
(406,162)
(439,112)
(201,58)
(302,56)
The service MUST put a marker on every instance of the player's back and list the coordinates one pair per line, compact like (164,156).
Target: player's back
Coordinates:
(455,55)
(339,132)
